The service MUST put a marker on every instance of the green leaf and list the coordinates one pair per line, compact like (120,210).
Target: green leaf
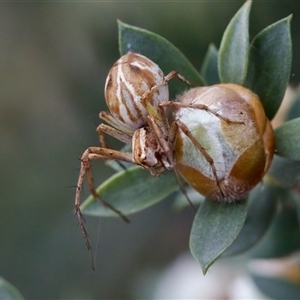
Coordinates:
(234,48)
(270,64)
(130,191)
(296,198)
(287,139)
(215,227)
(277,288)
(261,210)
(8,291)
(283,237)
(162,52)
(209,68)
(294,111)
(285,171)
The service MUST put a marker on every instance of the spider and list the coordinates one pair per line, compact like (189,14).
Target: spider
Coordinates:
(134,88)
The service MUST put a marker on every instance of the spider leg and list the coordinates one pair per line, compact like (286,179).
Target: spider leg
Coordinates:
(95,153)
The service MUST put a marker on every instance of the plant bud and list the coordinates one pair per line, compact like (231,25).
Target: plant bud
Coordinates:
(235,137)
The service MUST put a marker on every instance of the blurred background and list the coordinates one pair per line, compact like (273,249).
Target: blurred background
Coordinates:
(54,60)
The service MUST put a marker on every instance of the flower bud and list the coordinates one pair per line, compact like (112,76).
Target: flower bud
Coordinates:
(232,142)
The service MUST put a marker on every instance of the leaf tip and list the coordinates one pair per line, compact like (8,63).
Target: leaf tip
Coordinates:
(248,2)
(204,270)
(289,18)
(120,23)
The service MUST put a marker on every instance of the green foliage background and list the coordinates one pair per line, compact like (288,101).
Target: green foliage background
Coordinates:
(54,60)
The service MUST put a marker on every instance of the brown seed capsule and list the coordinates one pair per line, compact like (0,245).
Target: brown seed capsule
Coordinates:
(225,142)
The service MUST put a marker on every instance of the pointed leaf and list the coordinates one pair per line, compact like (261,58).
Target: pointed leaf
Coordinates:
(162,52)
(215,227)
(277,287)
(130,191)
(296,198)
(283,237)
(234,48)
(209,68)
(270,64)
(287,139)
(261,211)
(294,110)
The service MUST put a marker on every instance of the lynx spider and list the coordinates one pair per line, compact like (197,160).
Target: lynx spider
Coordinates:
(154,138)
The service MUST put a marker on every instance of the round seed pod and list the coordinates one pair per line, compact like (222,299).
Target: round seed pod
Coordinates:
(232,141)
(127,81)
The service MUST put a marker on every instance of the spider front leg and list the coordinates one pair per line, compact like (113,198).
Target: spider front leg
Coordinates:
(167,144)
(158,112)
(167,78)
(203,151)
(163,141)
(95,153)
(201,107)
(180,125)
